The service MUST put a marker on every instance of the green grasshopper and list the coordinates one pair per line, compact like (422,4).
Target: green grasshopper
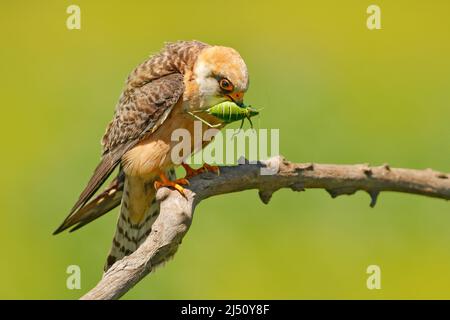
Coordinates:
(227,112)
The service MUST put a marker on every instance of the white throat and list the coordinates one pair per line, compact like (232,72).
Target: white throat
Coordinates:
(207,86)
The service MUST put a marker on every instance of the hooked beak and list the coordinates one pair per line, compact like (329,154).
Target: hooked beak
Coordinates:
(237,97)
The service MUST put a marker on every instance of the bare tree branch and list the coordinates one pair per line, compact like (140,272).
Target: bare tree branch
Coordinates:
(176,212)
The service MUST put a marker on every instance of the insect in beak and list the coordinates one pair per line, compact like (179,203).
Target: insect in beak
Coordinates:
(228,112)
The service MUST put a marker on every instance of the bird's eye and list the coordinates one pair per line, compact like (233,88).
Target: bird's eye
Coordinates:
(226,85)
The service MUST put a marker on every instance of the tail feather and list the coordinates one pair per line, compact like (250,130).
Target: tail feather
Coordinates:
(107,165)
(131,234)
(103,203)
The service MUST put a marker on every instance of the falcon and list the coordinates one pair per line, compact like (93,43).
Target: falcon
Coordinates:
(158,97)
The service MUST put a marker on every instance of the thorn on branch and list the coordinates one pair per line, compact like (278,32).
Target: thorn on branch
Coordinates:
(373,197)
(437,174)
(332,193)
(265,195)
(367,170)
(341,191)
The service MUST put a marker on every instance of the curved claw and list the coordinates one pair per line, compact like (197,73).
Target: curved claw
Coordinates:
(210,168)
(190,172)
(176,184)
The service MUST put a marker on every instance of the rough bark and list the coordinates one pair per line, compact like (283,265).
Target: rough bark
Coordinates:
(177,211)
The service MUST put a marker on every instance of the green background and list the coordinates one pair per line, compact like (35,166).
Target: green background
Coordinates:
(338,92)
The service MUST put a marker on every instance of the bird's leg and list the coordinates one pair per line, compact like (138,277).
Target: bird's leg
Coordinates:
(190,172)
(166,182)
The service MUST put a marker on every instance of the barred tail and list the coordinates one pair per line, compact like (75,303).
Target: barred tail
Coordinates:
(138,212)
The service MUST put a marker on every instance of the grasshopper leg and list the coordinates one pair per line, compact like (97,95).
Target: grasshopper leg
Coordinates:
(204,121)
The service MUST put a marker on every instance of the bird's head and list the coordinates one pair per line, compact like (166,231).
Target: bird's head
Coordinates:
(221,75)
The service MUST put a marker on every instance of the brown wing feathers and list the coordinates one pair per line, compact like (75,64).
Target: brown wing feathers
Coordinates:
(152,89)
(139,116)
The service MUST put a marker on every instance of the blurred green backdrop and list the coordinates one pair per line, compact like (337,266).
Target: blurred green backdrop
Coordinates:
(338,92)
